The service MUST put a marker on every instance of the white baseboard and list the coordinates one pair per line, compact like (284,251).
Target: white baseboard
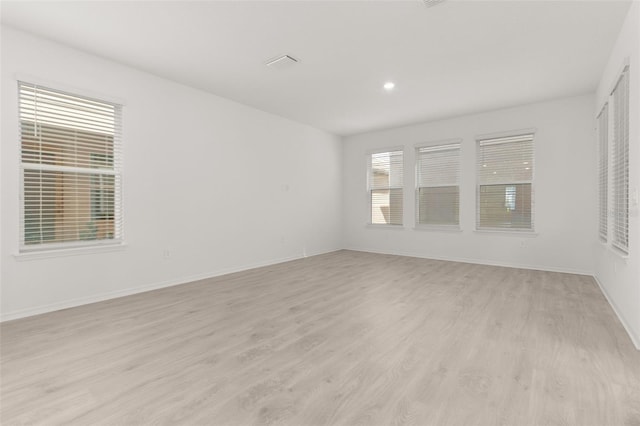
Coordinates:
(478,261)
(23,313)
(169,283)
(635,339)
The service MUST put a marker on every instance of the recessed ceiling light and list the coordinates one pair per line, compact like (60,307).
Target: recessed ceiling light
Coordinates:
(389,85)
(431,3)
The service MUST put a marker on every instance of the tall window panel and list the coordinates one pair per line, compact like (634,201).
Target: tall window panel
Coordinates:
(71,169)
(505,183)
(438,184)
(620,163)
(385,186)
(603,171)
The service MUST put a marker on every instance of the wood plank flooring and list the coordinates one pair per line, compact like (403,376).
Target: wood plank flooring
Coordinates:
(346,338)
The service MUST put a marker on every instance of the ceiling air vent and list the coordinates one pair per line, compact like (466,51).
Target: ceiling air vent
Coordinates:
(431,3)
(284,61)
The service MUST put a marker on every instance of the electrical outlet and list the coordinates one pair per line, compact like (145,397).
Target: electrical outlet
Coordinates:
(166,254)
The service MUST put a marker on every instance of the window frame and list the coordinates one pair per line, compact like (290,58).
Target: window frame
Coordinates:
(442,144)
(602,123)
(497,136)
(621,247)
(369,170)
(78,246)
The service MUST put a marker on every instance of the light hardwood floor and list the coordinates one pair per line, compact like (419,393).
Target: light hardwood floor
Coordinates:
(343,338)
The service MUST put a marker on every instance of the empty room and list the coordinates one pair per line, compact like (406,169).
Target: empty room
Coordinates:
(410,212)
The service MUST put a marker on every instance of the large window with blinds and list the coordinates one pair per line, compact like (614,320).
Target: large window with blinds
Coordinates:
(71,169)
(437,189)
(505,183)
(385,187)
(603,172)
(620,164)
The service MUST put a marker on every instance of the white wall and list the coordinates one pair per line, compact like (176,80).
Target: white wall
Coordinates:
(619,276)
(564,182)
(220,185)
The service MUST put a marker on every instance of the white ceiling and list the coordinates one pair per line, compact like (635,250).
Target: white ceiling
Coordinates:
(455,58)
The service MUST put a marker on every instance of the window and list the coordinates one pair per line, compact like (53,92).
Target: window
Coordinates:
(620,176)
(438,193)
(603,171)
(71,174)
(385,187)
(505,180)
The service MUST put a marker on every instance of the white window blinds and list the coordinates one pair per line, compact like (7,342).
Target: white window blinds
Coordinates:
(438,193)
(620,163)
(71,171)
(385,185)
(603,171)
(505,183)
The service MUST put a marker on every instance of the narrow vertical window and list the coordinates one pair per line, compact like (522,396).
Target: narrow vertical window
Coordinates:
(603,171)
(620,163)
(71,174)
(438,190)
(385,187)
(505,183)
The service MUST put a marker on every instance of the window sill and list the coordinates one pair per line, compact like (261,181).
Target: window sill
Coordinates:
(618,252)
(384,226)
(75,251)
(436,228)
(508,232)
(610,247)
